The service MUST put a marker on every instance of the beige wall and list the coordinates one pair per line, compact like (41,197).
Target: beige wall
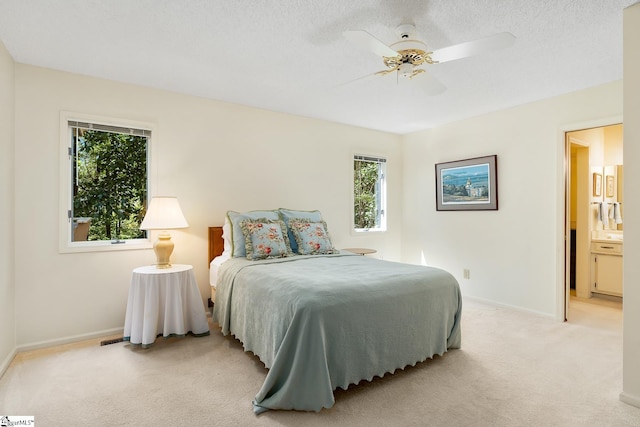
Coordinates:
(631,149)
(7,288)
(213,156)
(605,144)
(516,254)
(613,154)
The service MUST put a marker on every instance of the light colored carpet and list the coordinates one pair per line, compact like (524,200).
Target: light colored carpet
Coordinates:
(515,369)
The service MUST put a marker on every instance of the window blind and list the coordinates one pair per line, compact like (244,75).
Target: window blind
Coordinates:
(369,159)
(109,128)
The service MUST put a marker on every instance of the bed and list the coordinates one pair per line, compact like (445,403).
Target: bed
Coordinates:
(323,321)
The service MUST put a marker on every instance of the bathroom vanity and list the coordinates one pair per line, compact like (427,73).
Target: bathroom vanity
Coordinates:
(606,264)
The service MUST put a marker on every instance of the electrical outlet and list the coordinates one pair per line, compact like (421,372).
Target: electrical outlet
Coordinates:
(466,273)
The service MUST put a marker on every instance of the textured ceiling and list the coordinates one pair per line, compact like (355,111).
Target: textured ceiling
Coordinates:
(291,56)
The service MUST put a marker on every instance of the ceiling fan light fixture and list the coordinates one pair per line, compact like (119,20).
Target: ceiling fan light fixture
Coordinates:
(405,70)
(408,56)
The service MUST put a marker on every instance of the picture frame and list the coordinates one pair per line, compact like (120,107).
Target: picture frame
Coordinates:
(610,186)
(467,185)
(597,184)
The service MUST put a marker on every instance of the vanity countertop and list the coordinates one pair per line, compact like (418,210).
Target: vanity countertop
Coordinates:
(607,236)
(608,240)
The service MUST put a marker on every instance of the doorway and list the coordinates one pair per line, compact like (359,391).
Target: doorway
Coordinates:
(590,153)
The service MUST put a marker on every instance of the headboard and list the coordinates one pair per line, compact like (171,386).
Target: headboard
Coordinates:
(216,243)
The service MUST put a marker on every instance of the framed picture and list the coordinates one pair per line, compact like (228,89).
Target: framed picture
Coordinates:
(467,185)
(597,184)
(609,181)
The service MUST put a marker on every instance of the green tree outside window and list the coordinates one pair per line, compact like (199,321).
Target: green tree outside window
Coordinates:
(110,183)
(368,195)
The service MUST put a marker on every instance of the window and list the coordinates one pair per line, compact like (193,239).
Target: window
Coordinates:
(369,193)
(105,174)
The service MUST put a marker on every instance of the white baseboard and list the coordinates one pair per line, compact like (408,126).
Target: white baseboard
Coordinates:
(7,361)
(630,400)
(68,340)
(512,307)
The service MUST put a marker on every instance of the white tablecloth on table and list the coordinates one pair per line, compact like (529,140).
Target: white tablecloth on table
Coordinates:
(163,302)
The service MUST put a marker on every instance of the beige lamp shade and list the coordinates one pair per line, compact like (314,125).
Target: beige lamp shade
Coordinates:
(163,213)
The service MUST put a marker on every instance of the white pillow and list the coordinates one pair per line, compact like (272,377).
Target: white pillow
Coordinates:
(226,237)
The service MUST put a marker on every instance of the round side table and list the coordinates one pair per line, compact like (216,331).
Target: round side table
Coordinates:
(361,251)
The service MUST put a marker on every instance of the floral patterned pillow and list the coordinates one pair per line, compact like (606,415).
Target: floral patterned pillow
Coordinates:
(289,214)
(265,238)
(312,237)
(236,236)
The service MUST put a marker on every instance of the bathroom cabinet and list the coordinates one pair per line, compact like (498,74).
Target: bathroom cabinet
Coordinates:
(606,268)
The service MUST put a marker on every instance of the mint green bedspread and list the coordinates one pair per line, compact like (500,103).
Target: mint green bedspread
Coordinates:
(323,322)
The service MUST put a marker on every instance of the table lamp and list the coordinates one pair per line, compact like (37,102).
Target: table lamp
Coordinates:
(164,213)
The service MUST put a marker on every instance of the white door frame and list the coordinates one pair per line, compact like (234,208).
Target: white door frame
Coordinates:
(563,219)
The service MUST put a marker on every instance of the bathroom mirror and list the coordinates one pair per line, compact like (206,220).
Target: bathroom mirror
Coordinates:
(612,191)
(619,190)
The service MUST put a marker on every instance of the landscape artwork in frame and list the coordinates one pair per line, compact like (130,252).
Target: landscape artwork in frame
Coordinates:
(467,185)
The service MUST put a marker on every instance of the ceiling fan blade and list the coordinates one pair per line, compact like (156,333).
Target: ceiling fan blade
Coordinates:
(429,84)
(368,42)
(472,48)
(362,79)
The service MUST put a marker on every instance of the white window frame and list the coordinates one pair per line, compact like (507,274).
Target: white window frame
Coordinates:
(381,194)
(65,225)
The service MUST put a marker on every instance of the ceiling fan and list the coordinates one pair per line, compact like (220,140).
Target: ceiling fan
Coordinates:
(407,55)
